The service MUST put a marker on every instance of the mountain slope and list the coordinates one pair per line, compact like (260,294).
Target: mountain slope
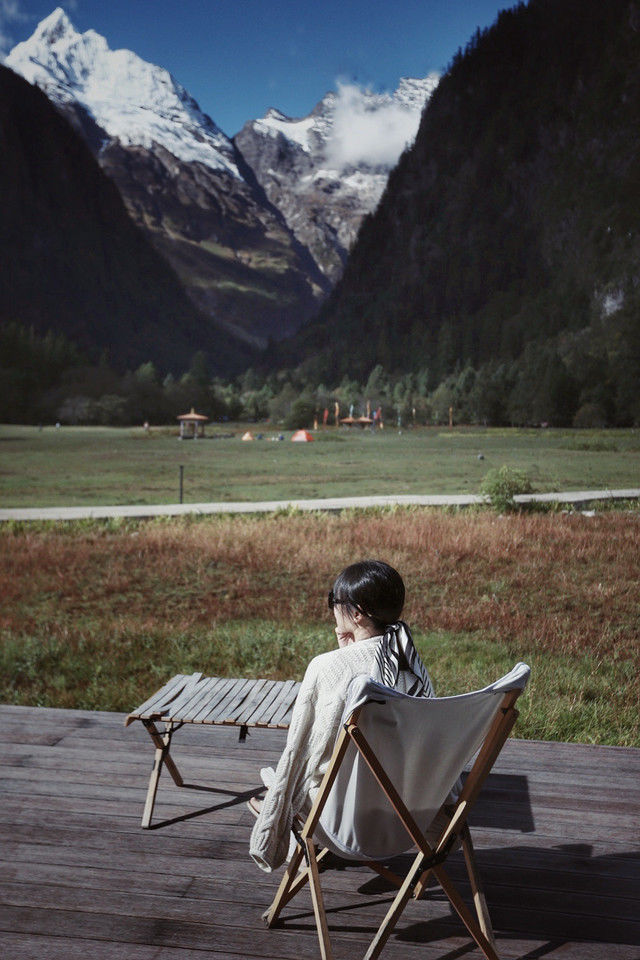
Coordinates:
(515,216)
(73,262)
(180,177)
(327,171)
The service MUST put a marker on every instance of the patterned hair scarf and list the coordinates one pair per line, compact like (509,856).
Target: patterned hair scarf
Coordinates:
(396,652)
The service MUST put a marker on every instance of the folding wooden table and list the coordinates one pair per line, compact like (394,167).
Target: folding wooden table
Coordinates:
(209,701)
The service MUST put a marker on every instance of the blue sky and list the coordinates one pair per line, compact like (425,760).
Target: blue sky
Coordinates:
(240,57)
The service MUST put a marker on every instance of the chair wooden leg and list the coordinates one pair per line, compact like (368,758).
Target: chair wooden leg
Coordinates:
(383,871)
(283,894)
(419,888)
(318,902)
(483,935)
(301,879)
(394,912)
(476,886)
(295,885)
(465,915)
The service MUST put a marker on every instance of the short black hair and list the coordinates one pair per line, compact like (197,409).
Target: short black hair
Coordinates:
(375,587)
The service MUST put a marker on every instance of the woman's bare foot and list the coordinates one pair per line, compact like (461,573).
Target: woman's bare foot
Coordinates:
(255,805)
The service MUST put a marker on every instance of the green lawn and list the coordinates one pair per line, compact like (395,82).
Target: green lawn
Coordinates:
(102,465)
(570,698)
(94,615)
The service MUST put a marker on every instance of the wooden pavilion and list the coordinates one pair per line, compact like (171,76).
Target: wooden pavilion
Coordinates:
(356,421)
(192,424)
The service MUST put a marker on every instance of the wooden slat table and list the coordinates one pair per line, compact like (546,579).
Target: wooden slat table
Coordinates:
(209,701)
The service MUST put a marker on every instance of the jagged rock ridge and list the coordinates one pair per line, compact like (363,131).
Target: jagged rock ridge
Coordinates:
(321,177)
(180,178)
(258,229)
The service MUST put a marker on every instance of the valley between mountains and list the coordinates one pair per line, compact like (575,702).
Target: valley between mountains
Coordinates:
(258,227)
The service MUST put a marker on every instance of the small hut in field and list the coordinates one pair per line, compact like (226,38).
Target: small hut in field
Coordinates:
(356,421)
(192,424)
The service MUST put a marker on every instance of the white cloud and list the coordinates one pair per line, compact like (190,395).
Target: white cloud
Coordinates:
(369,128)
(11,10)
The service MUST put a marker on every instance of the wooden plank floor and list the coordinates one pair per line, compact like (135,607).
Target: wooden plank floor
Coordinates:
(557,833)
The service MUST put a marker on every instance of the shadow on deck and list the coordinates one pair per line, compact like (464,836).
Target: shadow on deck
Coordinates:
(556,833)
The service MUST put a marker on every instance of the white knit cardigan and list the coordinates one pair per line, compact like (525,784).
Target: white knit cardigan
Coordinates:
(315,723)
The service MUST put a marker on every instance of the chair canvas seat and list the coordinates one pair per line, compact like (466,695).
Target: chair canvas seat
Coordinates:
(395,763)
(423,744)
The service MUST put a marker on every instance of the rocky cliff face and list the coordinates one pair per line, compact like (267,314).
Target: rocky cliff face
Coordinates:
(327,171)
(233,252)
(181,179)
(258,230)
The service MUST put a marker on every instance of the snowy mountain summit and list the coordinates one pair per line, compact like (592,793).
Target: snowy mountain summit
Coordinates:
(325,172)
(132,101)
(257,250)
(355,126)
(178,175)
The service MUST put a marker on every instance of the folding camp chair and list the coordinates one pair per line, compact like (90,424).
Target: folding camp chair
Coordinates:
(389,787)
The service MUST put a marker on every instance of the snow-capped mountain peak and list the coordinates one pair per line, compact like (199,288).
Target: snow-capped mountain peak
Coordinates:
(355,112)
(274,114)
(327,170)
(413,92)
(323,172)
(54,27)
(133,101)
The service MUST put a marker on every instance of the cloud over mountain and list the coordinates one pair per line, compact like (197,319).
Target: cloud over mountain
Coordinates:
(371,129)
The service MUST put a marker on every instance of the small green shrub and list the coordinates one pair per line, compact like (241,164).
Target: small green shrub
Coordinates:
(501,486)
(300,416)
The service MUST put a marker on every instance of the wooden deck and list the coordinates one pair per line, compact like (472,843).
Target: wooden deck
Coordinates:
(557,833)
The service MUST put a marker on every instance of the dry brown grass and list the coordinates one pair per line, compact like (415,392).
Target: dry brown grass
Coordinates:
(564,583)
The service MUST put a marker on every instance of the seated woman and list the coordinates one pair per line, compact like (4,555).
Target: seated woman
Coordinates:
(367,599)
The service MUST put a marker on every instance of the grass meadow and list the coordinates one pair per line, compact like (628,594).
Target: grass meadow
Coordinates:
(101,465)
(96,615)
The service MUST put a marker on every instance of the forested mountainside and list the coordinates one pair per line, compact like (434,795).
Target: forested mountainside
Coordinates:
(507,239)
(73,262)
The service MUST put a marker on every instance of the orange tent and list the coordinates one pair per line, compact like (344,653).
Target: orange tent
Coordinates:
(302,436)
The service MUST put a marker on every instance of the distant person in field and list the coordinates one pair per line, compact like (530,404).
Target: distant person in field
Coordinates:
(366,600)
